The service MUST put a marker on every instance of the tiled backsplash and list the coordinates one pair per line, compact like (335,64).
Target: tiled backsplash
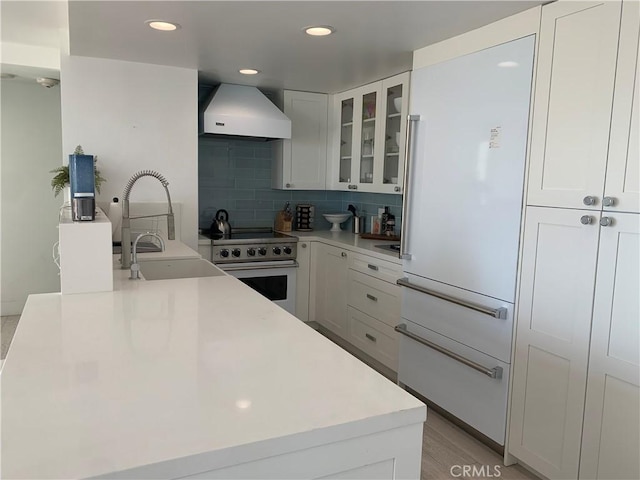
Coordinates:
(236,175)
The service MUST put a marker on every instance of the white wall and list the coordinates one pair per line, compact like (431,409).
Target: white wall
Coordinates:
(135,116)
(31,147)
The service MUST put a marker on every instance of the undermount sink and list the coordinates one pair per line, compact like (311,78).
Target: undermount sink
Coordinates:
(184,268)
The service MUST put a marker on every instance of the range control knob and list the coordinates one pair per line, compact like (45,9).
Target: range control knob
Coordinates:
(224,253)
(251,252)
(277,250)
(235,252)
(262,251)
(287,250)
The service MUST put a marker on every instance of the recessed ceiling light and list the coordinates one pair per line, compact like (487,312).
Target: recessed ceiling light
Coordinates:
(319,30)
(162,25)
(249,71)
(508,64)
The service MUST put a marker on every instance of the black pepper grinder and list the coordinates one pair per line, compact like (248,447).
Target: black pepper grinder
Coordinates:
(390,226)
(384,220)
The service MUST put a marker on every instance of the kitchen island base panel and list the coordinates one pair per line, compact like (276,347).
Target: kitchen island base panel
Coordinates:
(393,454)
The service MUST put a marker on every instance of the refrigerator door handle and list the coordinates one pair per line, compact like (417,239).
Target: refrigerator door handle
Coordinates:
(495,372)
(500,312)
(411,121)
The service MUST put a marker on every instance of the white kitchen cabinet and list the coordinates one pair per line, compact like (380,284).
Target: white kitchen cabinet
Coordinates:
(571,342)
(367,137)
(329,278)
(573,102)
(552,340)
(622,185)
(577,327)
(611,433)
(374,307)
(355,297)
(301,162)
(303,258)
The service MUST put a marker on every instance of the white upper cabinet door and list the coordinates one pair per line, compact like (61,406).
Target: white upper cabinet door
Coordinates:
(552,339)
(367,137)
(303,163)
(572,103)
(623,175)
(395,104)
(611,434)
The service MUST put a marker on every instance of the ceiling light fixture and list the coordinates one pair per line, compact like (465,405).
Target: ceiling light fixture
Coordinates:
(249,71)
(319,30)
(162,25)
(508,64)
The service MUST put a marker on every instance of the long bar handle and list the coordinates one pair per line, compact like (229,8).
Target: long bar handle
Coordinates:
(411,121)
(495,372)
(500,312)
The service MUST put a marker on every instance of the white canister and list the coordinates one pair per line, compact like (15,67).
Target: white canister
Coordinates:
(115,216)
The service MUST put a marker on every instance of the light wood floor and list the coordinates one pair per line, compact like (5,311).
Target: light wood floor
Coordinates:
(7,329)
(446,448)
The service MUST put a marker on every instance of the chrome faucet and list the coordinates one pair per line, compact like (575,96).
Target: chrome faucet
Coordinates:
(135,267)
(126,219)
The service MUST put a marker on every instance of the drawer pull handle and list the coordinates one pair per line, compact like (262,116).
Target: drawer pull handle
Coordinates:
(373,267)
(493,312)
(371,297)
(370,337)
(495,372)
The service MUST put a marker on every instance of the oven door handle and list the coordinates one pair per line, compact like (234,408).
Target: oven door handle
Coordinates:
(230,267)
(495,372)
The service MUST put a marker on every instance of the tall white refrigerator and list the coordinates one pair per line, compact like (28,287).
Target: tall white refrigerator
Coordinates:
(461,224)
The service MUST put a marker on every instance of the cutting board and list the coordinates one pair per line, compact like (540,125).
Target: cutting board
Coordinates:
(374,236)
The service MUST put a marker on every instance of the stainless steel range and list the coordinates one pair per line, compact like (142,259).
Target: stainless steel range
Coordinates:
(261,258)
(253,246)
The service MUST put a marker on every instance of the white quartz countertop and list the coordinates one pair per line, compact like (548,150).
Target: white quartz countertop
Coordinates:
(341,239)
(176,373)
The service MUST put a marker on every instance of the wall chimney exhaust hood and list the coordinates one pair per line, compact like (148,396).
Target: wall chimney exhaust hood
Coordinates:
(240,110)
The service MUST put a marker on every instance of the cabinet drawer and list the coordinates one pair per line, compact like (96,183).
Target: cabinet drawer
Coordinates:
(382,269)
(376,298)
(373,338)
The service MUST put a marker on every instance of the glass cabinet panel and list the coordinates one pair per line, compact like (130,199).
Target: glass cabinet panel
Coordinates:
(367,139)
(346,136)
(393,141)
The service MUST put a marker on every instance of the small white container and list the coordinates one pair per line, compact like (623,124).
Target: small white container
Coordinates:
(397,104)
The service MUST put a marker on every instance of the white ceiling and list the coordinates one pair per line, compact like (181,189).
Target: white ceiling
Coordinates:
(373,39)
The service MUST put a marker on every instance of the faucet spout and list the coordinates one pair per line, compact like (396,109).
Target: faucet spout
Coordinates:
(126,218)
(135,268)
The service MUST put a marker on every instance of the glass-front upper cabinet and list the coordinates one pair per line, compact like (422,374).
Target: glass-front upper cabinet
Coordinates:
(346,140)
(396,96)
(368,127)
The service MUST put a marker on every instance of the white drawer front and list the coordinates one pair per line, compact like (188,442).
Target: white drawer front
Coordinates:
(382,269)
(470,395)
(374,297)
(373,337)
(477,330)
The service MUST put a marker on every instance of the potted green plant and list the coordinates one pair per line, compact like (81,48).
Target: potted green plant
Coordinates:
(61,178)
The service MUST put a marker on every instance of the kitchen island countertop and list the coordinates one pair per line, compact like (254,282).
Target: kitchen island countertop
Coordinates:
(175,377)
